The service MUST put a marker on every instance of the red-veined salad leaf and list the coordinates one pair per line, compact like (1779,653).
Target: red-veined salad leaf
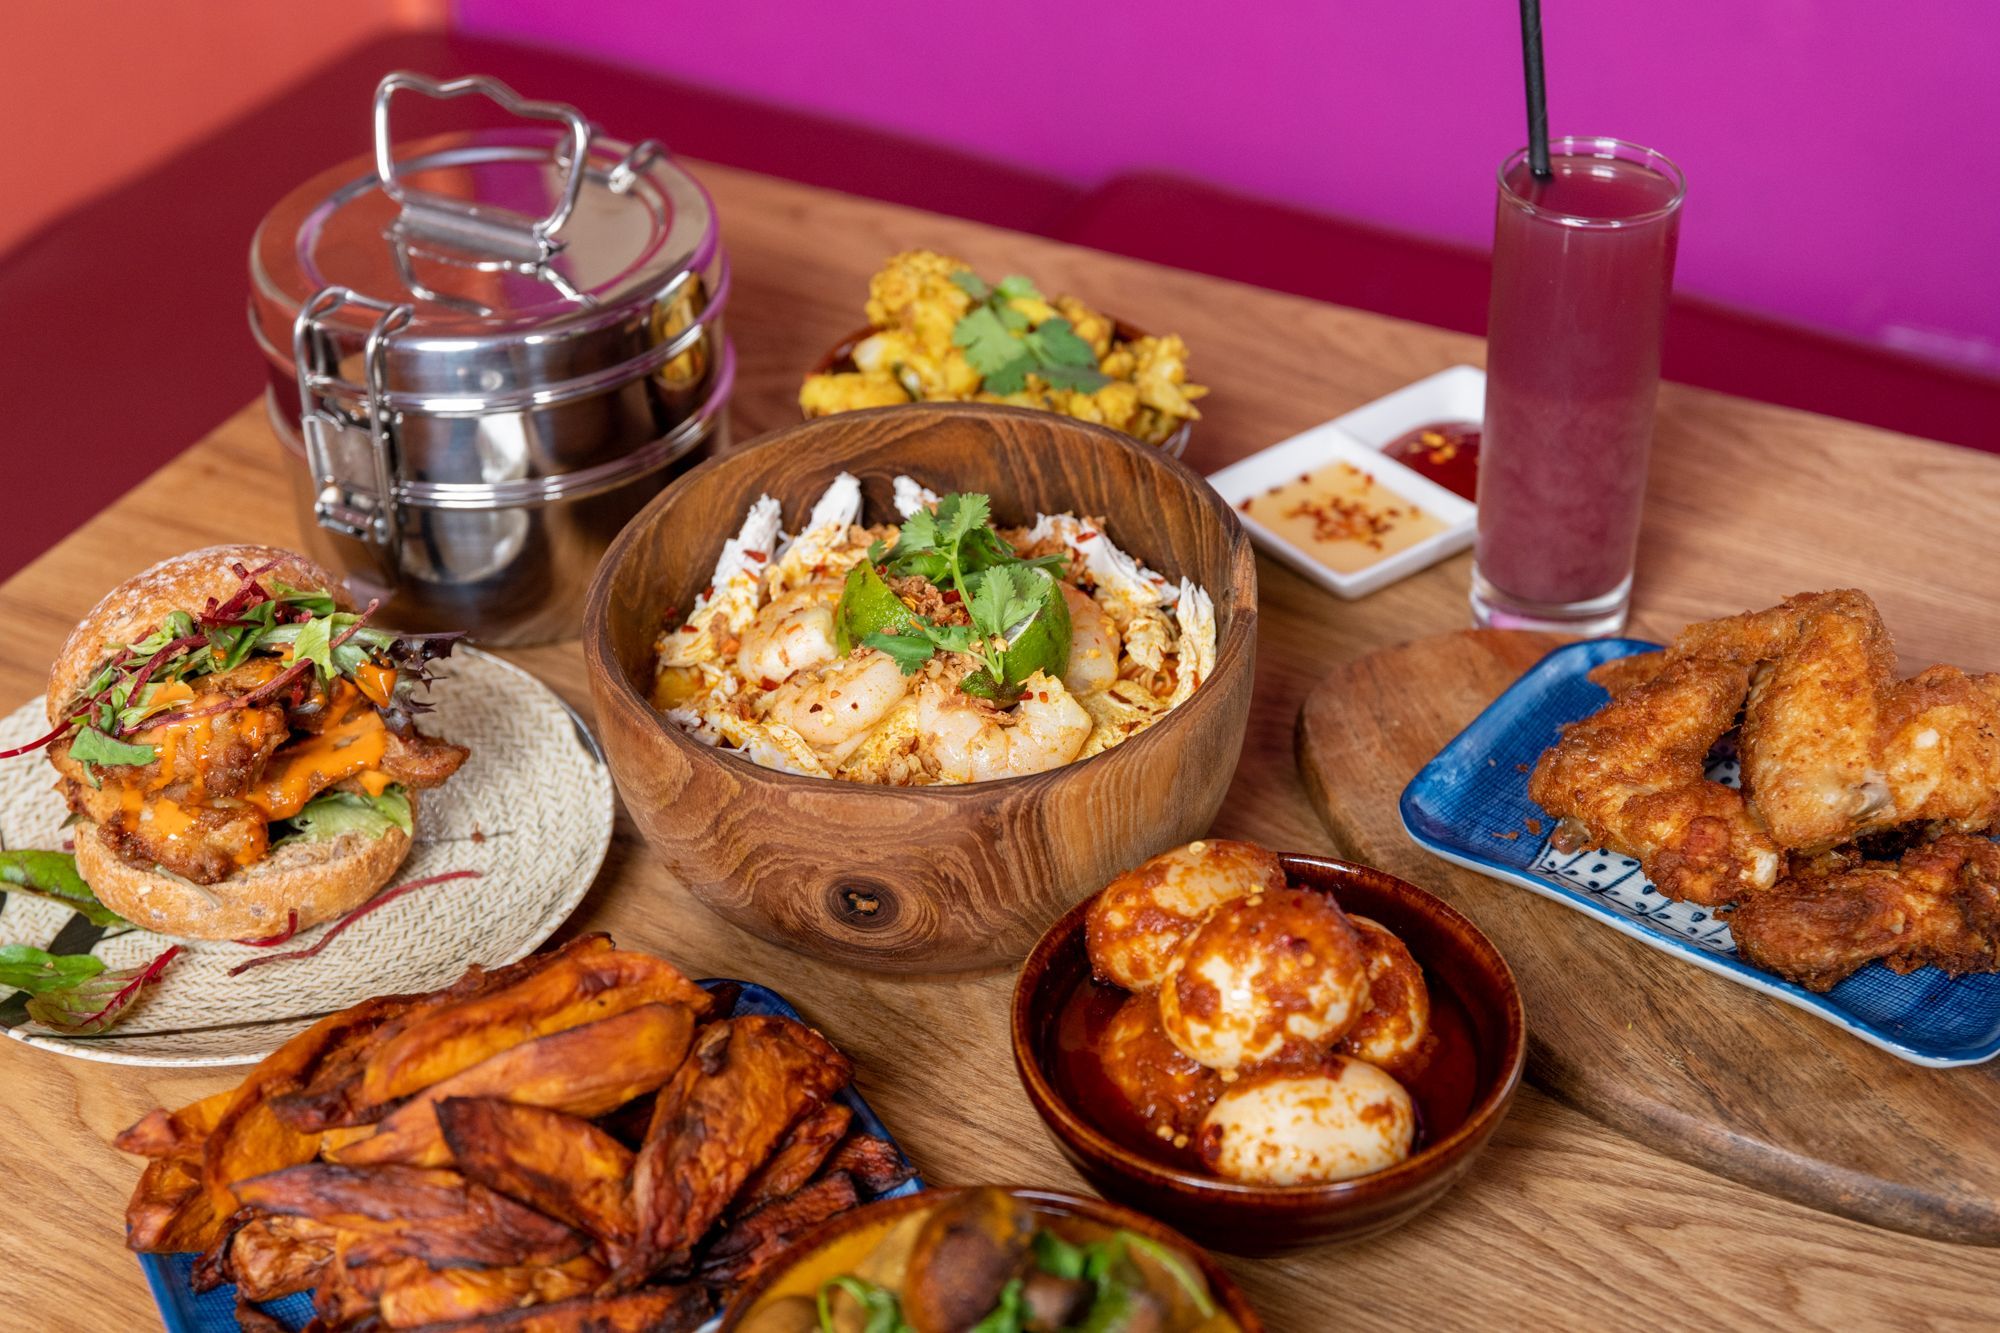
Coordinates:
(100,1002)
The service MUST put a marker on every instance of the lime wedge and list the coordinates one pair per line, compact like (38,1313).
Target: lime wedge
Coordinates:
(867,605)
(1040,643)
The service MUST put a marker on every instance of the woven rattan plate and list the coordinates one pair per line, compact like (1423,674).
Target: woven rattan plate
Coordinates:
(530,811)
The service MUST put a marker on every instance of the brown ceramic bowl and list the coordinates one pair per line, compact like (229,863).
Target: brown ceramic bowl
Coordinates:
(1227,1298)
(1483,1040)
(840,358)
(919,879)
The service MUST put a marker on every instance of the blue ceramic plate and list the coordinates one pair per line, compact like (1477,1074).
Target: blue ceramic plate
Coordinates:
(1465,801)
(183,1311)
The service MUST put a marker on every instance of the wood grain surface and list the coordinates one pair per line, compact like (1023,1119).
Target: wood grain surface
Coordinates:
(1564,1220)
(1704,1068)
(955,877)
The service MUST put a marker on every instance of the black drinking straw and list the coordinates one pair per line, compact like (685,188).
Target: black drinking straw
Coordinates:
(1538,92)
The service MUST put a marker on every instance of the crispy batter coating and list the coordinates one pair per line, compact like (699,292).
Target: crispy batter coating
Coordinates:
(1835,750)
(1631,777)
(1939,905)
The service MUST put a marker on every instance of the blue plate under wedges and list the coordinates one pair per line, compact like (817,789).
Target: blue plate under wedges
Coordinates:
(185,1311)
(1477,788)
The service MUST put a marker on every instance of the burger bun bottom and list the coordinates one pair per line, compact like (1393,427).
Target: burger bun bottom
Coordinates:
(320,879)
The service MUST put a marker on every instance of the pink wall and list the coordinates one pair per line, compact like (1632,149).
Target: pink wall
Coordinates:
(1843,155)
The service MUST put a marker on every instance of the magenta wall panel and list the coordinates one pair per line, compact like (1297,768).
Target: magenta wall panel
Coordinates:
(1844,155)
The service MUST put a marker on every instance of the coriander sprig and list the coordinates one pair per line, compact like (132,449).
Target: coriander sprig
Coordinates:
(956,549)
(1000,345)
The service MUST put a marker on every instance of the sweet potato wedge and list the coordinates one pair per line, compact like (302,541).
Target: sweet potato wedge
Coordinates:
(581,986)
(796,1159)
(267,1257)
(331,1097)
(874,1163)
(747,1081)
(753,1241)
(658,1310)
(584,1071)
(163,1133)
(557,1164)
(412,1293)
(401,1211)
(249,1139)
(169,1209)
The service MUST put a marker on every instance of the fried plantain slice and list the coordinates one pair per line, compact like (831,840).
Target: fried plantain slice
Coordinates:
(874,1163)
(332,1096)
(584,1071)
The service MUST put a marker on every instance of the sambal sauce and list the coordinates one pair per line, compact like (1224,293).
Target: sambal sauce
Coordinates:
(1446,452)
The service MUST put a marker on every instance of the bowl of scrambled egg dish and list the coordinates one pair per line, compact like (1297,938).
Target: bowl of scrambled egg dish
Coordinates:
(939,333)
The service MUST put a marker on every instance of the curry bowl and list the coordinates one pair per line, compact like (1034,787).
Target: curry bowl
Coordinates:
(876,1245)
(840,357)
(1461,1096)
(928,878)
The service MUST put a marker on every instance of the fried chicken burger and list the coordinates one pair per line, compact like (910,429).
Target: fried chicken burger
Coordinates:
(239,747)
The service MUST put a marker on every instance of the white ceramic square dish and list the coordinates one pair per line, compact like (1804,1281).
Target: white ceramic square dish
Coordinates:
(1457,394)
(1320,447)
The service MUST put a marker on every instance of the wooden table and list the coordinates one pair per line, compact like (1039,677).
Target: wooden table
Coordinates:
(1562,1221)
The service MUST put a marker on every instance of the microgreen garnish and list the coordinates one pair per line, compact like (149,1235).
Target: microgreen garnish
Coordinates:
(1000,344)
(141,684)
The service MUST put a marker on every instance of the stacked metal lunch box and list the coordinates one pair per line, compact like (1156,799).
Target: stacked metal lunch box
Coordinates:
(487,351)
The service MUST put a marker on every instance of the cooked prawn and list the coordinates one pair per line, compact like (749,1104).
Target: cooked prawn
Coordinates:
(974,743)
(833,708)
(1093,645)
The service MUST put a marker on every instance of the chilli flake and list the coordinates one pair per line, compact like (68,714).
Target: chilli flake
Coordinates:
(344,922)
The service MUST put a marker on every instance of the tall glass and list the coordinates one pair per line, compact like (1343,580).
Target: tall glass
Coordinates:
(1582,267)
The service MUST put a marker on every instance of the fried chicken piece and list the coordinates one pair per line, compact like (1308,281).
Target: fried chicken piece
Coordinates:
(1630,777)
(1834,747)
(1937,906)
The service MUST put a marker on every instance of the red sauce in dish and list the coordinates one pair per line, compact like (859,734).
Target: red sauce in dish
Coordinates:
(1445,451)
(1443,1093)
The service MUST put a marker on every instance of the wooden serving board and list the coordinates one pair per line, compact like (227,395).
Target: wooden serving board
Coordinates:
(1681,1060)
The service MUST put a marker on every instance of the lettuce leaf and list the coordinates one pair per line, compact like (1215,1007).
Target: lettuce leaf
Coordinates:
(333,813)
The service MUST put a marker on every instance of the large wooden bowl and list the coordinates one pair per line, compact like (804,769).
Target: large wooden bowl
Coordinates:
(924,879)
